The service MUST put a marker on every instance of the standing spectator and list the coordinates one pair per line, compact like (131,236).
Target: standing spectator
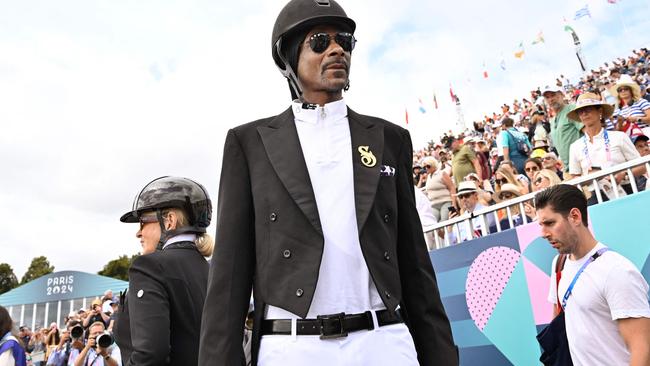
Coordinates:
(12,352)
(563,130)
(427,218)
(25,336)
(96,314)
(631,108)
(540,128)
(439,189)
(37,348)
(96,354)
(53,338)
(516,146)
(607,316)
(599,148)
(482,153)
(540,147)
(160,319)
(464,160)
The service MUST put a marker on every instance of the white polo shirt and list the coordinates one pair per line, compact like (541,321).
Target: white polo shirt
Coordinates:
(621,150)
(344,282)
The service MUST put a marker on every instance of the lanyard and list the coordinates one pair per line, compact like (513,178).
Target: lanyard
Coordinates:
(585,150)
(570,289)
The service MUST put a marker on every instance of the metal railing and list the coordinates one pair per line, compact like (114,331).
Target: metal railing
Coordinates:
(482,214)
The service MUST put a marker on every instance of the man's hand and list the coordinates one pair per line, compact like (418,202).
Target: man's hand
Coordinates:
(64,338)
(91,343)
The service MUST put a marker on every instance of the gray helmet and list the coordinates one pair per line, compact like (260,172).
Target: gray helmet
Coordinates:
(301,15)
(174,192)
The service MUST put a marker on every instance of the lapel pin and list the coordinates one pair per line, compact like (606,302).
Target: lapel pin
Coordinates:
(367,157)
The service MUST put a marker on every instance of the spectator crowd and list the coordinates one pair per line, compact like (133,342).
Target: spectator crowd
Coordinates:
(559,132)
(77,342)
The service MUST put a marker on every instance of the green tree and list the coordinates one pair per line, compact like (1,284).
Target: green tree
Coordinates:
(118,268)
(8,279)
(40,266)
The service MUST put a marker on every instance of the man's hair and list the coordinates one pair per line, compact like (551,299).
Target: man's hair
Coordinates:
(98,323)
(562,198)
(508,122)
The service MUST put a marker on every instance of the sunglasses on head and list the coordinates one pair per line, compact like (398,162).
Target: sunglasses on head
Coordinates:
(500,181)
(319,42)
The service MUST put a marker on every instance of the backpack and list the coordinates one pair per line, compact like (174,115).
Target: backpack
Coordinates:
(522,146)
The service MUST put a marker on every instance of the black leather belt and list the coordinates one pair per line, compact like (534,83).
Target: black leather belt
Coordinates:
(333,325)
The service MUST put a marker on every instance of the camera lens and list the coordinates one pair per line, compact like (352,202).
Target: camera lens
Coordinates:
(77,331)
(105,340)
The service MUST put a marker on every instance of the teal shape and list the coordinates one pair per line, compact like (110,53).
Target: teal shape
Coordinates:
(467,334)
(451,283)
(622,225)
(541,254)
(511,327)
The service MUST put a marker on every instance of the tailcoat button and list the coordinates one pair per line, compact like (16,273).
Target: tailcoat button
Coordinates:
(386,256)
(386,218)
(286,253)
(273,216)
(387,294)
(299,292)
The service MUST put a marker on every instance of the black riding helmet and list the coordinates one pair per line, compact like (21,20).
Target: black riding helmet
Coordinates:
(173,192)
(293,22)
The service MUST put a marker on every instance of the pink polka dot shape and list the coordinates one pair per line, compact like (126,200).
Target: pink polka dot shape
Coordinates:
(487,278)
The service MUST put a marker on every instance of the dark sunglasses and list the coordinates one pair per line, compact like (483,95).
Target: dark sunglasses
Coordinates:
(532,168)
(622,89)
(147,220)
(500,181)
(464,196)
(506,195)
(320,41)
(539,180)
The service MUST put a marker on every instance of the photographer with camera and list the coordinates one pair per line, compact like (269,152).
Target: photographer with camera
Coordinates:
(96,315)
(69,346)
(99,349)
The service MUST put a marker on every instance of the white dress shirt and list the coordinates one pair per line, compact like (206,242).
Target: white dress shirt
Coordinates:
(621,150)
(344,281)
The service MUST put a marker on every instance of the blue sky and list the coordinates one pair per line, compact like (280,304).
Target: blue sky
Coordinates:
(100,97)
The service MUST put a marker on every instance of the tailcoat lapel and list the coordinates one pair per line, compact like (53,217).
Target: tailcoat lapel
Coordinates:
(282,145)
(363,132)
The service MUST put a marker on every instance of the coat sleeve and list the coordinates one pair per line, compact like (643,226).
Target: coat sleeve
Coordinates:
(232,266)
(427,320)
(149,313)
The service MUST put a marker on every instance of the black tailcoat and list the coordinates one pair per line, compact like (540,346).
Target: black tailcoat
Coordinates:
(267,207)
(160,320)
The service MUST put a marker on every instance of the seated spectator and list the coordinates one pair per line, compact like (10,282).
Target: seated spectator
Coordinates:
(531,167)
(507,165)
(504,175)
(509,191)
(544,179)
(599,148)
(631,108)
(468,198)
(641,144)
(551,162)
(439,189)
(540,147)
(485,190)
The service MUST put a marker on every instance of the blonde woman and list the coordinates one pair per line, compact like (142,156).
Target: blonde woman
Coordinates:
(631,108)
(439,189)
(160,320)
(544,179)
(504,175)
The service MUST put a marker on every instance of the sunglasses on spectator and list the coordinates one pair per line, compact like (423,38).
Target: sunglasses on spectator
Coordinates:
(320,41)
(539,180)
(500,181)
(533,168)
(147,220)
(623,88)
(464,195)
(547,158)
(506,195)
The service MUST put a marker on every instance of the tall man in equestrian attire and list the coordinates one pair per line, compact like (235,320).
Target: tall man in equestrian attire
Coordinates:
(317,216)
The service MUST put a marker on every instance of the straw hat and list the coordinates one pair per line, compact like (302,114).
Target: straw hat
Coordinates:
(508,187)
(588,100)
(466,187)
(626,80)
(539,144)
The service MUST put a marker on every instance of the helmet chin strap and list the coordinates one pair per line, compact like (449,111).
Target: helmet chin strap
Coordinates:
(167,234)
(288,72)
